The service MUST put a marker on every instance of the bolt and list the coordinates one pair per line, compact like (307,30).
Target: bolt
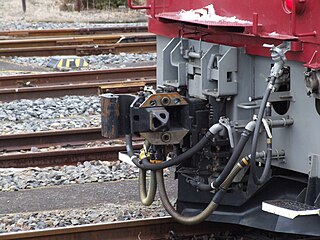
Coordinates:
(176,101)
(153,102)
(165,101)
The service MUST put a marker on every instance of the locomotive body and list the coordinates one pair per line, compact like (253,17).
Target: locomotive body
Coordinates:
(237,106)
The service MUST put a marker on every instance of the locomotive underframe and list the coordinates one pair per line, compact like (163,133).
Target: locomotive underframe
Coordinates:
(242,205)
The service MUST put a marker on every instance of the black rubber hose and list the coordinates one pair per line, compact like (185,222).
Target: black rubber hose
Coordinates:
(203,187)
(179,159)
(177,216)
(253,170)
(212,206)
(146,197)
(129,147)
(245,135)
(146,165)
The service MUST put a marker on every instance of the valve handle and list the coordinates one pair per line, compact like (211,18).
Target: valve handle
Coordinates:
(226,123)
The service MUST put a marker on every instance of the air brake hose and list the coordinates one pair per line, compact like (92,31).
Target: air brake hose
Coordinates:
(260,180)
(212,206)
(146,165)
(245,135)
(146,197)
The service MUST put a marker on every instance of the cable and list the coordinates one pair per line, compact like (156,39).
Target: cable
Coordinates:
(146,197)
(212,206)
(245,135)
(253,169)
(146,165)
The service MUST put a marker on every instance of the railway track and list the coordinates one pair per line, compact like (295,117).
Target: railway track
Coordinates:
(71,31)
(153,228)
(32,86)
(139,42)
(156,228)
(73,147)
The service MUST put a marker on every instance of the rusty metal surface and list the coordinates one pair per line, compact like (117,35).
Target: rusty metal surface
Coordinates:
(32,86)
(62,157)
(72,31)
(73,140)
(157,228)
(75,40)
(83,89)
(25,141)
(80,50)
(109,75)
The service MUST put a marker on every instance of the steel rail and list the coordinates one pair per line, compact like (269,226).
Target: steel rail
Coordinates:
(110,75)
(80,89)
(73,142)
(32,86)
(76,40)
(156,228)
(72,31)
(80,50)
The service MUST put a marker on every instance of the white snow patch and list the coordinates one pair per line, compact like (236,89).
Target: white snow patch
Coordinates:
(208,13)
(274,34)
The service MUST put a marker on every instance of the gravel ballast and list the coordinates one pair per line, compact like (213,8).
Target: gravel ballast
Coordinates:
(87,172)
(96,62)
(22,116)
(81,216)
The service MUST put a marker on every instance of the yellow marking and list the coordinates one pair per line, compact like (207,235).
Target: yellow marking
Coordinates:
(78,62)
(60,64)
(85,64)
(142,155)
(269,140)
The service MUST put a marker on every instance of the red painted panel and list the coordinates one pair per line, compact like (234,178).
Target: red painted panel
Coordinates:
(273,22)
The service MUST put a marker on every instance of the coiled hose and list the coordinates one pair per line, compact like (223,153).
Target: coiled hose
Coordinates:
(146,197)
(212,206)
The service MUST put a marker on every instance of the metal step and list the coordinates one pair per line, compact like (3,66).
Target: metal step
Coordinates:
(289,209)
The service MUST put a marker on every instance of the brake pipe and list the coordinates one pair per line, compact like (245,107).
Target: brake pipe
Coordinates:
(245,135)
(146,165)
(146,197)
(211,207)
(262,108)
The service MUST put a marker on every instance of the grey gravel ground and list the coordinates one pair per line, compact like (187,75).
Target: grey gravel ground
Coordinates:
(96,62)
(49,114)
(73,217)
(88,172)
(67,205)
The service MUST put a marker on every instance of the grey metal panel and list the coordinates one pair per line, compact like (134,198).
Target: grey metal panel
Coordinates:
(299,141)
(302,139)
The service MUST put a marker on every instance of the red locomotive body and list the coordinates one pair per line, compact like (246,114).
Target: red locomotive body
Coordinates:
(237,105)
(271,22)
